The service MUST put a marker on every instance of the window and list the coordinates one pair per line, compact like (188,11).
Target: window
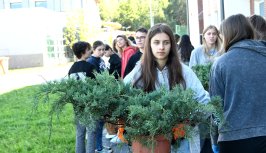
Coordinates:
(41,4)
(50,48)
(262,9)
(16,5)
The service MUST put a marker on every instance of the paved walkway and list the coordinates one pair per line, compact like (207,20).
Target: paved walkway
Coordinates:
(19,78)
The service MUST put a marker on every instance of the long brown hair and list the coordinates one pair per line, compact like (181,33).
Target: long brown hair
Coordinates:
(148,75)
(235,28)
(259,25)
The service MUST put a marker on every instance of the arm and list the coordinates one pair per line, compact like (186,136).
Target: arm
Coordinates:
(115,65)
(133,75)
(130,65)
(192,82)
(125,58)
(193,58)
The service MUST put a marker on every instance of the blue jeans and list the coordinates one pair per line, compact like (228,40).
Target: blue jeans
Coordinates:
(94,140)
(80,138)
(182,148)
(215,148)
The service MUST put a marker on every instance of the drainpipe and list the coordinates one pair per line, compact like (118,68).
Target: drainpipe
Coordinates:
(222,9)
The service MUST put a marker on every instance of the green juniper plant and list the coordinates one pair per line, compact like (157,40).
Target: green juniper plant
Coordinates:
(145,114)
(59,93)
(158,112)
(203,73)
(101,98)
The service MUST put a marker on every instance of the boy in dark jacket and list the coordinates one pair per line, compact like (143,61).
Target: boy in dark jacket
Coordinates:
(80,70)
(140,40)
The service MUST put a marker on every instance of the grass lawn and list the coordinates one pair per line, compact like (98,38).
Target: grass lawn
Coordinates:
(23,130)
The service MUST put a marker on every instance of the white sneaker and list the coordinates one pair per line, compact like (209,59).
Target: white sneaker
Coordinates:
(115,140)
(109,136)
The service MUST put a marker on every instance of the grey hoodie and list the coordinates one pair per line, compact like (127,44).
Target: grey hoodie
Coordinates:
(239,77)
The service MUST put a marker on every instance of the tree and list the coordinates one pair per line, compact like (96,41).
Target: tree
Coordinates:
(175,13)
(108,9)
(131,13)
(80,26)
(136,13)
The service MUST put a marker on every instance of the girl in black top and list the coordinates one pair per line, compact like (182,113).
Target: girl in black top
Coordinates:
(114,61)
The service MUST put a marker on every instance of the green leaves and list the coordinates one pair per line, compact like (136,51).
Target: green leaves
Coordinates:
(92,99)
(203,73)
(150,114)
(158,112)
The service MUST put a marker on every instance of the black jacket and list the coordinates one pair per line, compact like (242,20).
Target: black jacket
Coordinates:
(132,62)
(82,67)
(115,65)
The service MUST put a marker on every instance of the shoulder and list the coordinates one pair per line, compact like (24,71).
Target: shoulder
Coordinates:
(115,56)
(130,49)
(198,49)
(90,59)
(86,65)
(72,68)
(136,56)
(89,65)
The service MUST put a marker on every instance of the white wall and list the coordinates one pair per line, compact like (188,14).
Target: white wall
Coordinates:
(193,22)
(23,31)
(23,35)
(212,14)
(236,7)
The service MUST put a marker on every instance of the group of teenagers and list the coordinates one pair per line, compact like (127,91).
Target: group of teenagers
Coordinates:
(237,52)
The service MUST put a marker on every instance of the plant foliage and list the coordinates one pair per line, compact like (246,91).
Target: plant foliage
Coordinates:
(93,99)
(203,73)
(145,114)
(158,112)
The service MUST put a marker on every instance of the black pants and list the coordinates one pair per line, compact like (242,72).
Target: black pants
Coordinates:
(250,145)
(207,146)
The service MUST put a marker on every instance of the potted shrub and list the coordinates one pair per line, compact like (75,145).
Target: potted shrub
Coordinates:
(155,118)
(101,98)
(147,116)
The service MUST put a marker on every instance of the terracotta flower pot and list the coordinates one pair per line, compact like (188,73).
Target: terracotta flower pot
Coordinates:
(162,146)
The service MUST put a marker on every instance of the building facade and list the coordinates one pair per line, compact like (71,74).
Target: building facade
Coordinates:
(54,5)
(212,12)
(32,30)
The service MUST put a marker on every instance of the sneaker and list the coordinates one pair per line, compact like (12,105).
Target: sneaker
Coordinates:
(115,140)
(103,151)
(109,136)
(107,148)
